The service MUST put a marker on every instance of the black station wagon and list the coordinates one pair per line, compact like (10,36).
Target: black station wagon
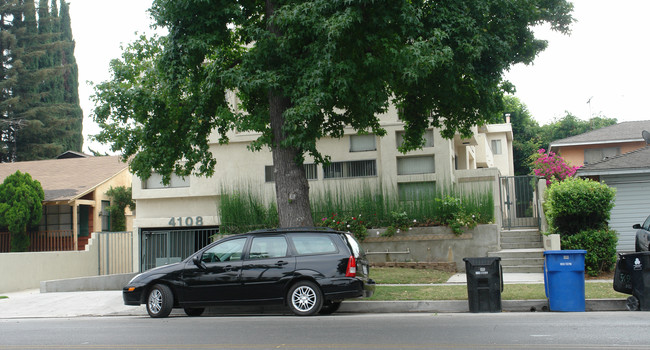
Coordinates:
(311,270)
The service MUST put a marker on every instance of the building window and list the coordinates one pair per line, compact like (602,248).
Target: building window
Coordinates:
(311,171)
(428,138)
(106,216)
(594,155)
(363,143)
(357,168)
(413,191)
(55,218)
(416,165)
(155,181)
(496,146)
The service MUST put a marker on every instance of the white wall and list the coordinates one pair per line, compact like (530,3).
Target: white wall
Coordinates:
(21,271)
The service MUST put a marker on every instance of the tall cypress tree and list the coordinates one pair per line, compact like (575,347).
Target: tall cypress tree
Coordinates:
(46,117)
(7,80)
(70,82)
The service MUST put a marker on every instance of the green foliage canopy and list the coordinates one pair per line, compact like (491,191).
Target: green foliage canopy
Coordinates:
(21,205)
(576,204)
(336,63)
(121,197)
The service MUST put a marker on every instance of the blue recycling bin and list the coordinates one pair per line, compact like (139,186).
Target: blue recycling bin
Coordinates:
(564,279)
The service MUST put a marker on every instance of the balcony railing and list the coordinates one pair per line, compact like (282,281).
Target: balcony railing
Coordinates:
(42,241)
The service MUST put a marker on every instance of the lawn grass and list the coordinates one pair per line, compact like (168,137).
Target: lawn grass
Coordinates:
(595,290)
(396,275)
(391,275)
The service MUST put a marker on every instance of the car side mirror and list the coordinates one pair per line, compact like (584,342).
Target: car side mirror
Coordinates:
(636,226)
(197,261)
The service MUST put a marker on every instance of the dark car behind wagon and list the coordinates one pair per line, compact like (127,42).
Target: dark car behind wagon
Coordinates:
(310,270)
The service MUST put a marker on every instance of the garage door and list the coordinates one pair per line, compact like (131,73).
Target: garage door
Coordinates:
(632,206)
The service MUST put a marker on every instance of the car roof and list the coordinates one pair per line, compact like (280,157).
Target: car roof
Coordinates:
(295,229)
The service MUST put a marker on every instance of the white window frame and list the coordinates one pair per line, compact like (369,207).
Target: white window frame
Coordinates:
(363,143)
(414,165)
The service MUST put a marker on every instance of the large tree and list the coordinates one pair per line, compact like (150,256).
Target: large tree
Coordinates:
(303,70)
(40,117)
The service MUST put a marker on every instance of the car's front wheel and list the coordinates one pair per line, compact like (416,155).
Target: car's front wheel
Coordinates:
(160,301)
(305,298)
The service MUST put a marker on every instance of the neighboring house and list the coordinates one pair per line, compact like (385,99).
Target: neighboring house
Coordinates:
(185,211)
(629,173)
(597,145)
(75,192)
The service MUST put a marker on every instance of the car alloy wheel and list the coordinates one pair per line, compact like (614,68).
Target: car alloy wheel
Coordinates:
(160,301)
(305,298)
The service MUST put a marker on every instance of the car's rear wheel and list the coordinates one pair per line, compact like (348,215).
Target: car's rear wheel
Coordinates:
(305,298)
(160,301)
(329,307)
(194,311)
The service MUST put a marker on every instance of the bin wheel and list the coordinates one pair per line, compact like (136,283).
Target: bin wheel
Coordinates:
(632,303)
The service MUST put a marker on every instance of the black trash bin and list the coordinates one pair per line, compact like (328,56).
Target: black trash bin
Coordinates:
(484,284)
(632,276)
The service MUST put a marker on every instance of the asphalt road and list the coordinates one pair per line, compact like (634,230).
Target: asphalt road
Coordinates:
(539,330)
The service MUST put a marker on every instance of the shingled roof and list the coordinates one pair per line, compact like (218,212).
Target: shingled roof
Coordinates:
(621,132)
(66,179)
(635,162)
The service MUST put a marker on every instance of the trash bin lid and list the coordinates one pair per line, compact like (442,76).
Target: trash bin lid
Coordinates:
(564,252)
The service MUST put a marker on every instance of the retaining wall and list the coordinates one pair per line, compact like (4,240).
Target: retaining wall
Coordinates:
(431,244)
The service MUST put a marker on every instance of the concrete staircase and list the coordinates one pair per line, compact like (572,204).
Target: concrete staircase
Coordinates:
(522,251)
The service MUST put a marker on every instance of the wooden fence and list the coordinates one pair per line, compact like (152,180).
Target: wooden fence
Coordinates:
(42,241)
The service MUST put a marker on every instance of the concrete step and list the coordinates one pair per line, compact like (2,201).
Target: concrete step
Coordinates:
(518,233)
(519,253)
(522,245)
(523,239)
(523,262)
(523,269)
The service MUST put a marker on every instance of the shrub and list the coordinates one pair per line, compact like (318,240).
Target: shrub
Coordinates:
(600,245)
(551,166)
(353,224)
(574,205)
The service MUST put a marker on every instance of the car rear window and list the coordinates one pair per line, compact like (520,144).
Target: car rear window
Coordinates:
(356,248)
(313,244)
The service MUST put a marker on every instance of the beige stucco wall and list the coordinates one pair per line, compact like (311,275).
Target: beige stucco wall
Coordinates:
(123,178)
(575,155)
(21,271)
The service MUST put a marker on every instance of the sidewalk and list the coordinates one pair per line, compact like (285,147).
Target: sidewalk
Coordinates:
(33,304)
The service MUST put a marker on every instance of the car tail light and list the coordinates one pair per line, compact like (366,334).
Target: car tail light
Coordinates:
(352,267)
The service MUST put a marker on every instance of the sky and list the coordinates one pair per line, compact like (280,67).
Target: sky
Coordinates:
(600,69)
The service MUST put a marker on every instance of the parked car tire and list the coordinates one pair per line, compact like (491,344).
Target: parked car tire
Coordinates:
(160,301)
(194,311)
(329,307)
(305,298)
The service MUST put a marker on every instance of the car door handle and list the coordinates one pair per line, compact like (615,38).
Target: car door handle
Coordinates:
(227,268)
(281,263)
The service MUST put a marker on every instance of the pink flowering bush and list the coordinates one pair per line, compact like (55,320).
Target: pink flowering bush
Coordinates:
(551,166)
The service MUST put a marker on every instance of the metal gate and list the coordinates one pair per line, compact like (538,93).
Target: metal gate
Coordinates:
(165,246)
(115,252)
(519,201)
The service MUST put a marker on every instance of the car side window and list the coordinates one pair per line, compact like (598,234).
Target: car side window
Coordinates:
(268,247)
(313,244)
(231,250)
(646,224)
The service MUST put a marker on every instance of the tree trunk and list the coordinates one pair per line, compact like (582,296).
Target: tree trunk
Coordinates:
(291,186)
